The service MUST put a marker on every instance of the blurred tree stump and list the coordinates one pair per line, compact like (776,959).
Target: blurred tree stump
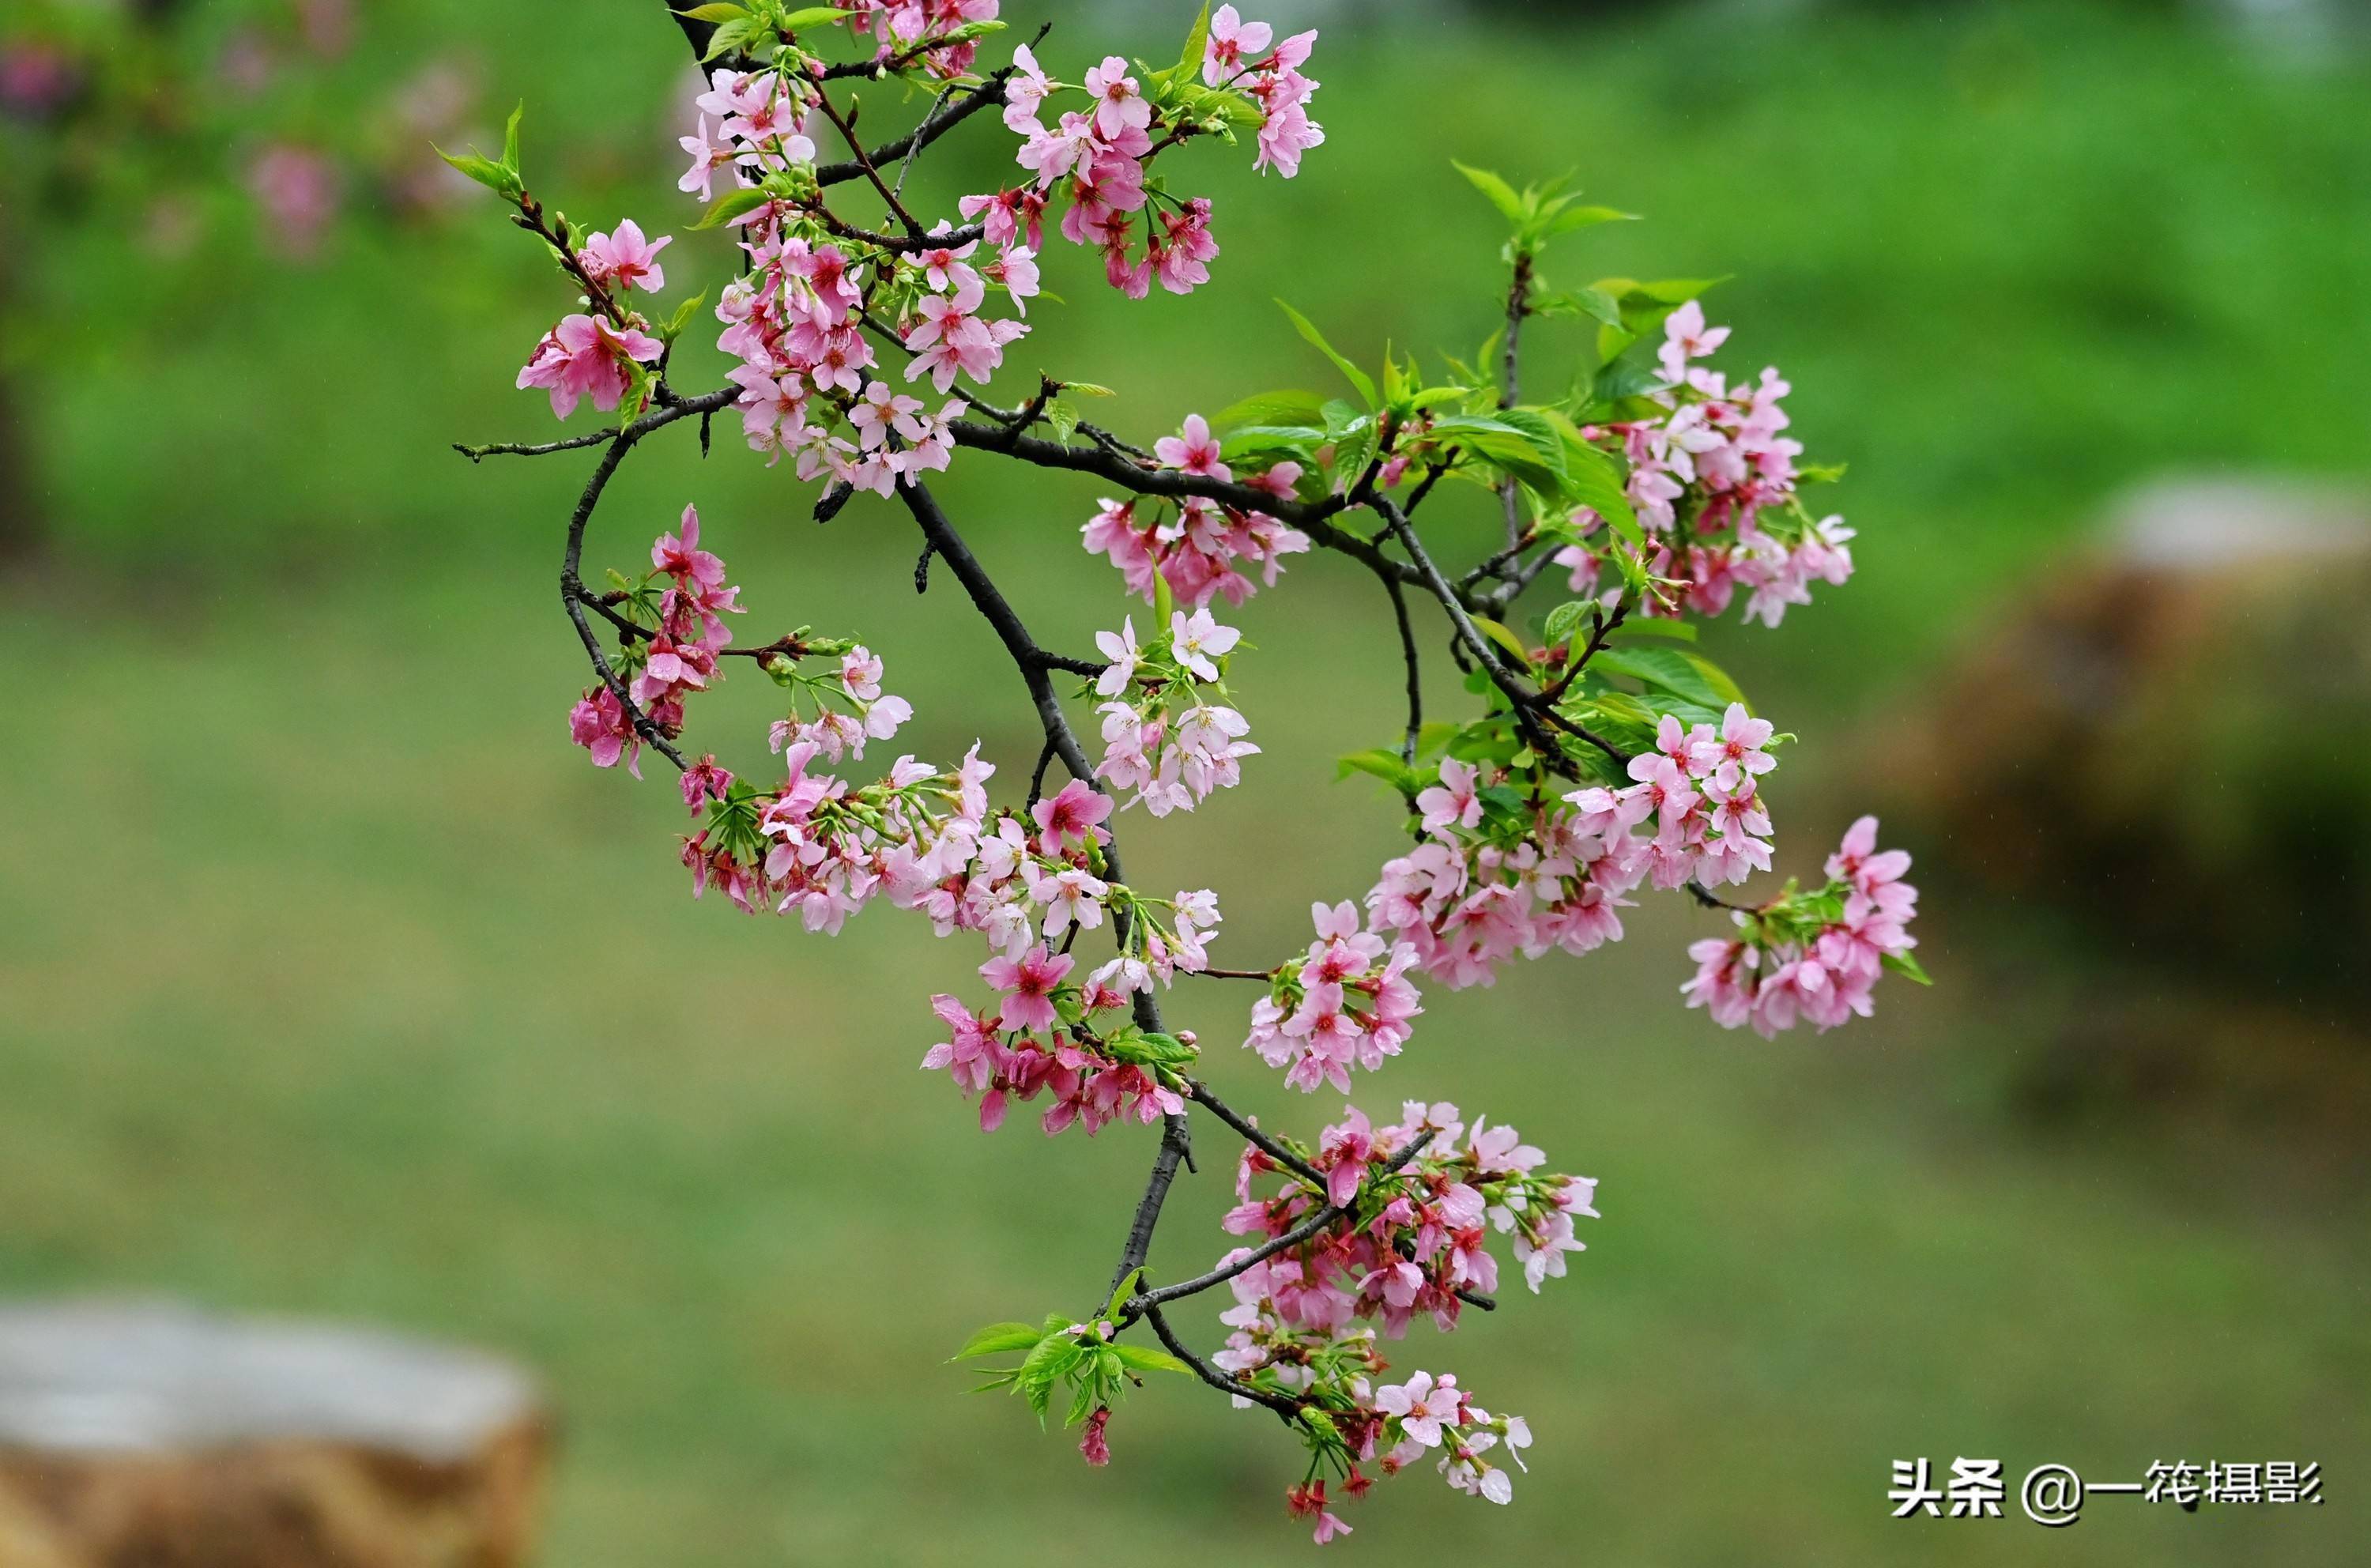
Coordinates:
(2154,767)
(158,1437)
(2166,739)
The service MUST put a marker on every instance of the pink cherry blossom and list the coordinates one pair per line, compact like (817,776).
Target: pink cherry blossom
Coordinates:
(1230,41)
(1193,453)
(1200,642)
(1028,984)
(1072,815)
(626,258)
(585,357)
(1119,107)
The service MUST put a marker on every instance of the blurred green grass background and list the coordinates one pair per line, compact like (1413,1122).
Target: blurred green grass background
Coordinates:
(335,982)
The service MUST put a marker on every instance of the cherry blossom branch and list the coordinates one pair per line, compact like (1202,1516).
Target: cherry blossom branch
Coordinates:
(1415,673)
(1176,1136)
(1311,518)
(539,449)
(1199,1092)
(1529,710)
(866,167)
(821,301)
(1285,1406)
(905,245)
(571,596)
(1332,1214)
(988,94)
(1518,306)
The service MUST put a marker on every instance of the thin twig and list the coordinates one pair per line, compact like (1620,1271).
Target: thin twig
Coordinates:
(1288,1408)
(1199,1093)
(1331,1215)
(1415,674)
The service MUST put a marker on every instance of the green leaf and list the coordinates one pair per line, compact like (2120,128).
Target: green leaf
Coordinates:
(1197,43)
(511,137)
(1687,675)
(1274,409)
(1595,303)
(1127,1289)
(812,17)
(1143,1358)
(1573,218)
(1503,637)
(1599,486)
(1594,478)
(1673,292)
(1615,383)
(716,13)
(683,315)
(484,170)
(1063,417)
(1082,1401)
(1300,441)
(1902,963)
(1385,764)
(1358,378)
(729,37)
(1501,194)
(1716,678)
(998,1338)
(1567,619)
(1532,457)
(732,204)
(1676,630)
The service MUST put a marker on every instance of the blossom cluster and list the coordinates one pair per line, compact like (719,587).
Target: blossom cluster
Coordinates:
(1412,1239)
(1714,484)
(673,657)
(1812,956)
(1098,157)
(1164,736)
(931,33)
(1500,872)
(1196,545)
(1348,1003)
(849,707)
(1700,788)
(796,319)
(1028,1047)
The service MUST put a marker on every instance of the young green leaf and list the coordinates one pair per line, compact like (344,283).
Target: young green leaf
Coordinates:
(1501,194)
(1572,218)
(1127,1289)
(1274,409)
(1385,764)
(732,204)
(1144,1358)
(1503,637)
(1197,43)
(484,170)
(1902,963)
(998,1338)
(1674,630)
(1358,378)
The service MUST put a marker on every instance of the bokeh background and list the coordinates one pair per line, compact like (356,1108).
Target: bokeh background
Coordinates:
(334,980)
